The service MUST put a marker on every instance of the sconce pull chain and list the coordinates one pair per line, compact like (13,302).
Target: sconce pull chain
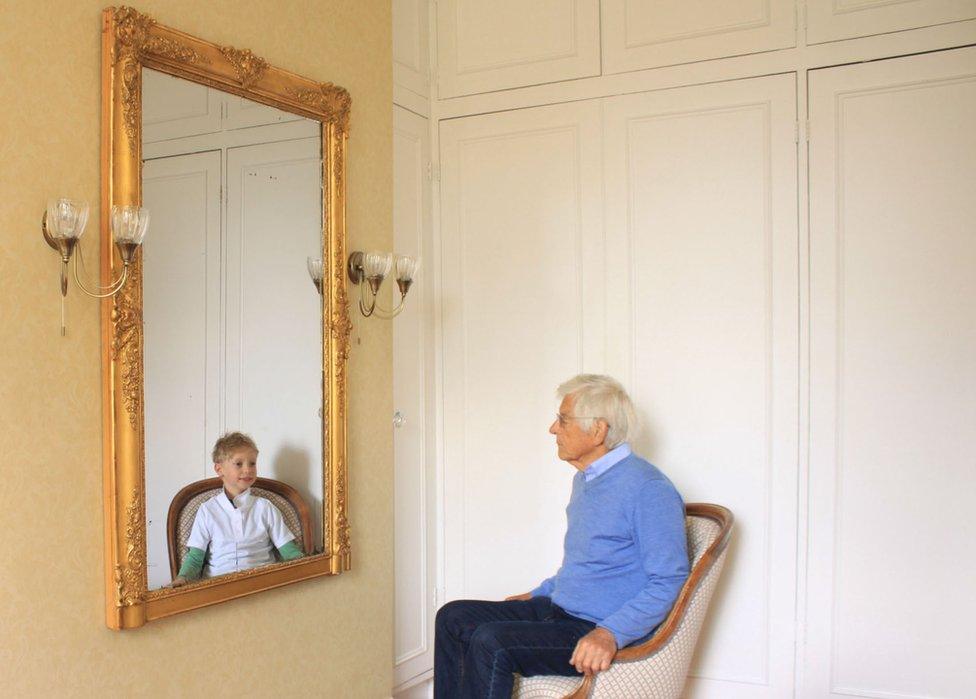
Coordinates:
(64,295)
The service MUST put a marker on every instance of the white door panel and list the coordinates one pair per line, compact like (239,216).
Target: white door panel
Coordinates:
(522,310)
(830,20)
(174,108)
(274,222)
(893,378)
(410,45)
(638,34)
(413,400)
(703,303)
(487,46)
(181,292)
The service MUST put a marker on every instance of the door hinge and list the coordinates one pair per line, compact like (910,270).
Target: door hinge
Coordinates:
(433,172)
(796,131)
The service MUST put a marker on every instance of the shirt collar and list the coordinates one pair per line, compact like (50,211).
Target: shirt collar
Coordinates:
(607,461)
(241,502)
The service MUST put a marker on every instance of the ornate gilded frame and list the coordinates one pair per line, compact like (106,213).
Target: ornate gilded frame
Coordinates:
(130,41)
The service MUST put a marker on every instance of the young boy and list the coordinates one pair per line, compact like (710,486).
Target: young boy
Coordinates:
(239,528)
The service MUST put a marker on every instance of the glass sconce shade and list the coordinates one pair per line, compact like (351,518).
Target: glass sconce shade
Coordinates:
(64,222)
(315,271)
(406,268)
(129,225)
(377,264)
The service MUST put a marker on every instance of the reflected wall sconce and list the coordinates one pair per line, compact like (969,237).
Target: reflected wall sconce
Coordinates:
(369,269)
(63,224)
(315,272)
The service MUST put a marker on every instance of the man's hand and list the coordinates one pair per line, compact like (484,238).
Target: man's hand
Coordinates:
(594,652)
(519,598)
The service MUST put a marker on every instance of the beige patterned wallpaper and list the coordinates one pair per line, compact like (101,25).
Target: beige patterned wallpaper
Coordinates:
(325,637)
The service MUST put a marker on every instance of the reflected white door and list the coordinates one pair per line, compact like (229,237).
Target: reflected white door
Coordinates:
(272,310)
(703,306)
(181,282)
(890,609)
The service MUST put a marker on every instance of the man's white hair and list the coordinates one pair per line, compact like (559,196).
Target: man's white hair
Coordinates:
(598,397)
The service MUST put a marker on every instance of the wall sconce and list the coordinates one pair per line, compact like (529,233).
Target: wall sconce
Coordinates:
(369,269)
(315,272)
(63,224)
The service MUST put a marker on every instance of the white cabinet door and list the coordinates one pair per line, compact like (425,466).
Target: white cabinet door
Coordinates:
(890,609)
(487,46)
(175,108)
(702,311)
(413,399)
(522,310)
(830,20)
(240,113)
(181,292)
(272,310)
(639,34)
(410,45)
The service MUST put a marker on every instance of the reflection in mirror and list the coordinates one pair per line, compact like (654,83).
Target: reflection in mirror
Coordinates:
(232,321)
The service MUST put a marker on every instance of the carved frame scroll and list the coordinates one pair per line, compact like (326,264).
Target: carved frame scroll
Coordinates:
(132,40)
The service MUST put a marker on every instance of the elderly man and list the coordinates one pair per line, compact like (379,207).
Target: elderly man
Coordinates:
(624,561)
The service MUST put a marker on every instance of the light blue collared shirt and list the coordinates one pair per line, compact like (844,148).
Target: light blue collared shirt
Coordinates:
(607,461)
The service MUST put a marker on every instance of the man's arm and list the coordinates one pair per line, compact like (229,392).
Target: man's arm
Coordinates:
(659,523)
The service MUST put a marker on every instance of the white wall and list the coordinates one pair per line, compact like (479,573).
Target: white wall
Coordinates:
(672,217)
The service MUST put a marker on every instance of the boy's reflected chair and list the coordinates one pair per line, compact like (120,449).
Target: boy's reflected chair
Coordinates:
(656,668)
(185,504)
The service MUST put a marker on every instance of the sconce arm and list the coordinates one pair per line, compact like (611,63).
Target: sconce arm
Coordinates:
(374,308)
(109,290)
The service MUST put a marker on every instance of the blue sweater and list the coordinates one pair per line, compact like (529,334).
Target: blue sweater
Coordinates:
(625,556)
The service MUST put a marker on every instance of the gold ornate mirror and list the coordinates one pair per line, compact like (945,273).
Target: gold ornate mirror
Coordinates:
(212,331)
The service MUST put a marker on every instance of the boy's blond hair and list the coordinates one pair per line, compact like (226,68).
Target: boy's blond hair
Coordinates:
(229,443)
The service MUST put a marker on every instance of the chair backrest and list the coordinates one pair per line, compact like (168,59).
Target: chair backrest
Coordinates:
(668,652)
(185,504)
(709,528)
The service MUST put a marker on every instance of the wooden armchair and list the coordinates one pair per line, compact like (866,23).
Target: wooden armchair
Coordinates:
(185,504)
(657,668)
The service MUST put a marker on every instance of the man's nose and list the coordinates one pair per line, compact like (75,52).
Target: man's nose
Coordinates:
(553,426)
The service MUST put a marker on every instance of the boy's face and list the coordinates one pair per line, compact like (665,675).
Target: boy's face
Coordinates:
(238,470)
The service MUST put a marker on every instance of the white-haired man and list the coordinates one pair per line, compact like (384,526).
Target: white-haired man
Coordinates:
(624,561)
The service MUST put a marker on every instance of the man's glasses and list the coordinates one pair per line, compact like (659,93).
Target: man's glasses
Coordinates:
(563,420)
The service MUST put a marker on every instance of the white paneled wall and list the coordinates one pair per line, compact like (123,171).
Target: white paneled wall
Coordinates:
(893,367)
(794,319)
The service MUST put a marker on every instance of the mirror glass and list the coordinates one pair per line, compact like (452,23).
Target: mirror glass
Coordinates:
(232,317)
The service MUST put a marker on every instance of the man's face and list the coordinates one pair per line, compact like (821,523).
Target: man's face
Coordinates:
(573,443)
(238,470)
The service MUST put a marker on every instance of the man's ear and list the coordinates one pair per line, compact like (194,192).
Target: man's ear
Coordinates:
(600,429)
(217,469)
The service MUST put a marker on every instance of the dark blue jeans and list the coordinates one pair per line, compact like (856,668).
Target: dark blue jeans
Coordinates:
(479,645)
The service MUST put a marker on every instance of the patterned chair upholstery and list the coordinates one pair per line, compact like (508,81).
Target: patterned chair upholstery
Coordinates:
(185,504)
(656,669)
